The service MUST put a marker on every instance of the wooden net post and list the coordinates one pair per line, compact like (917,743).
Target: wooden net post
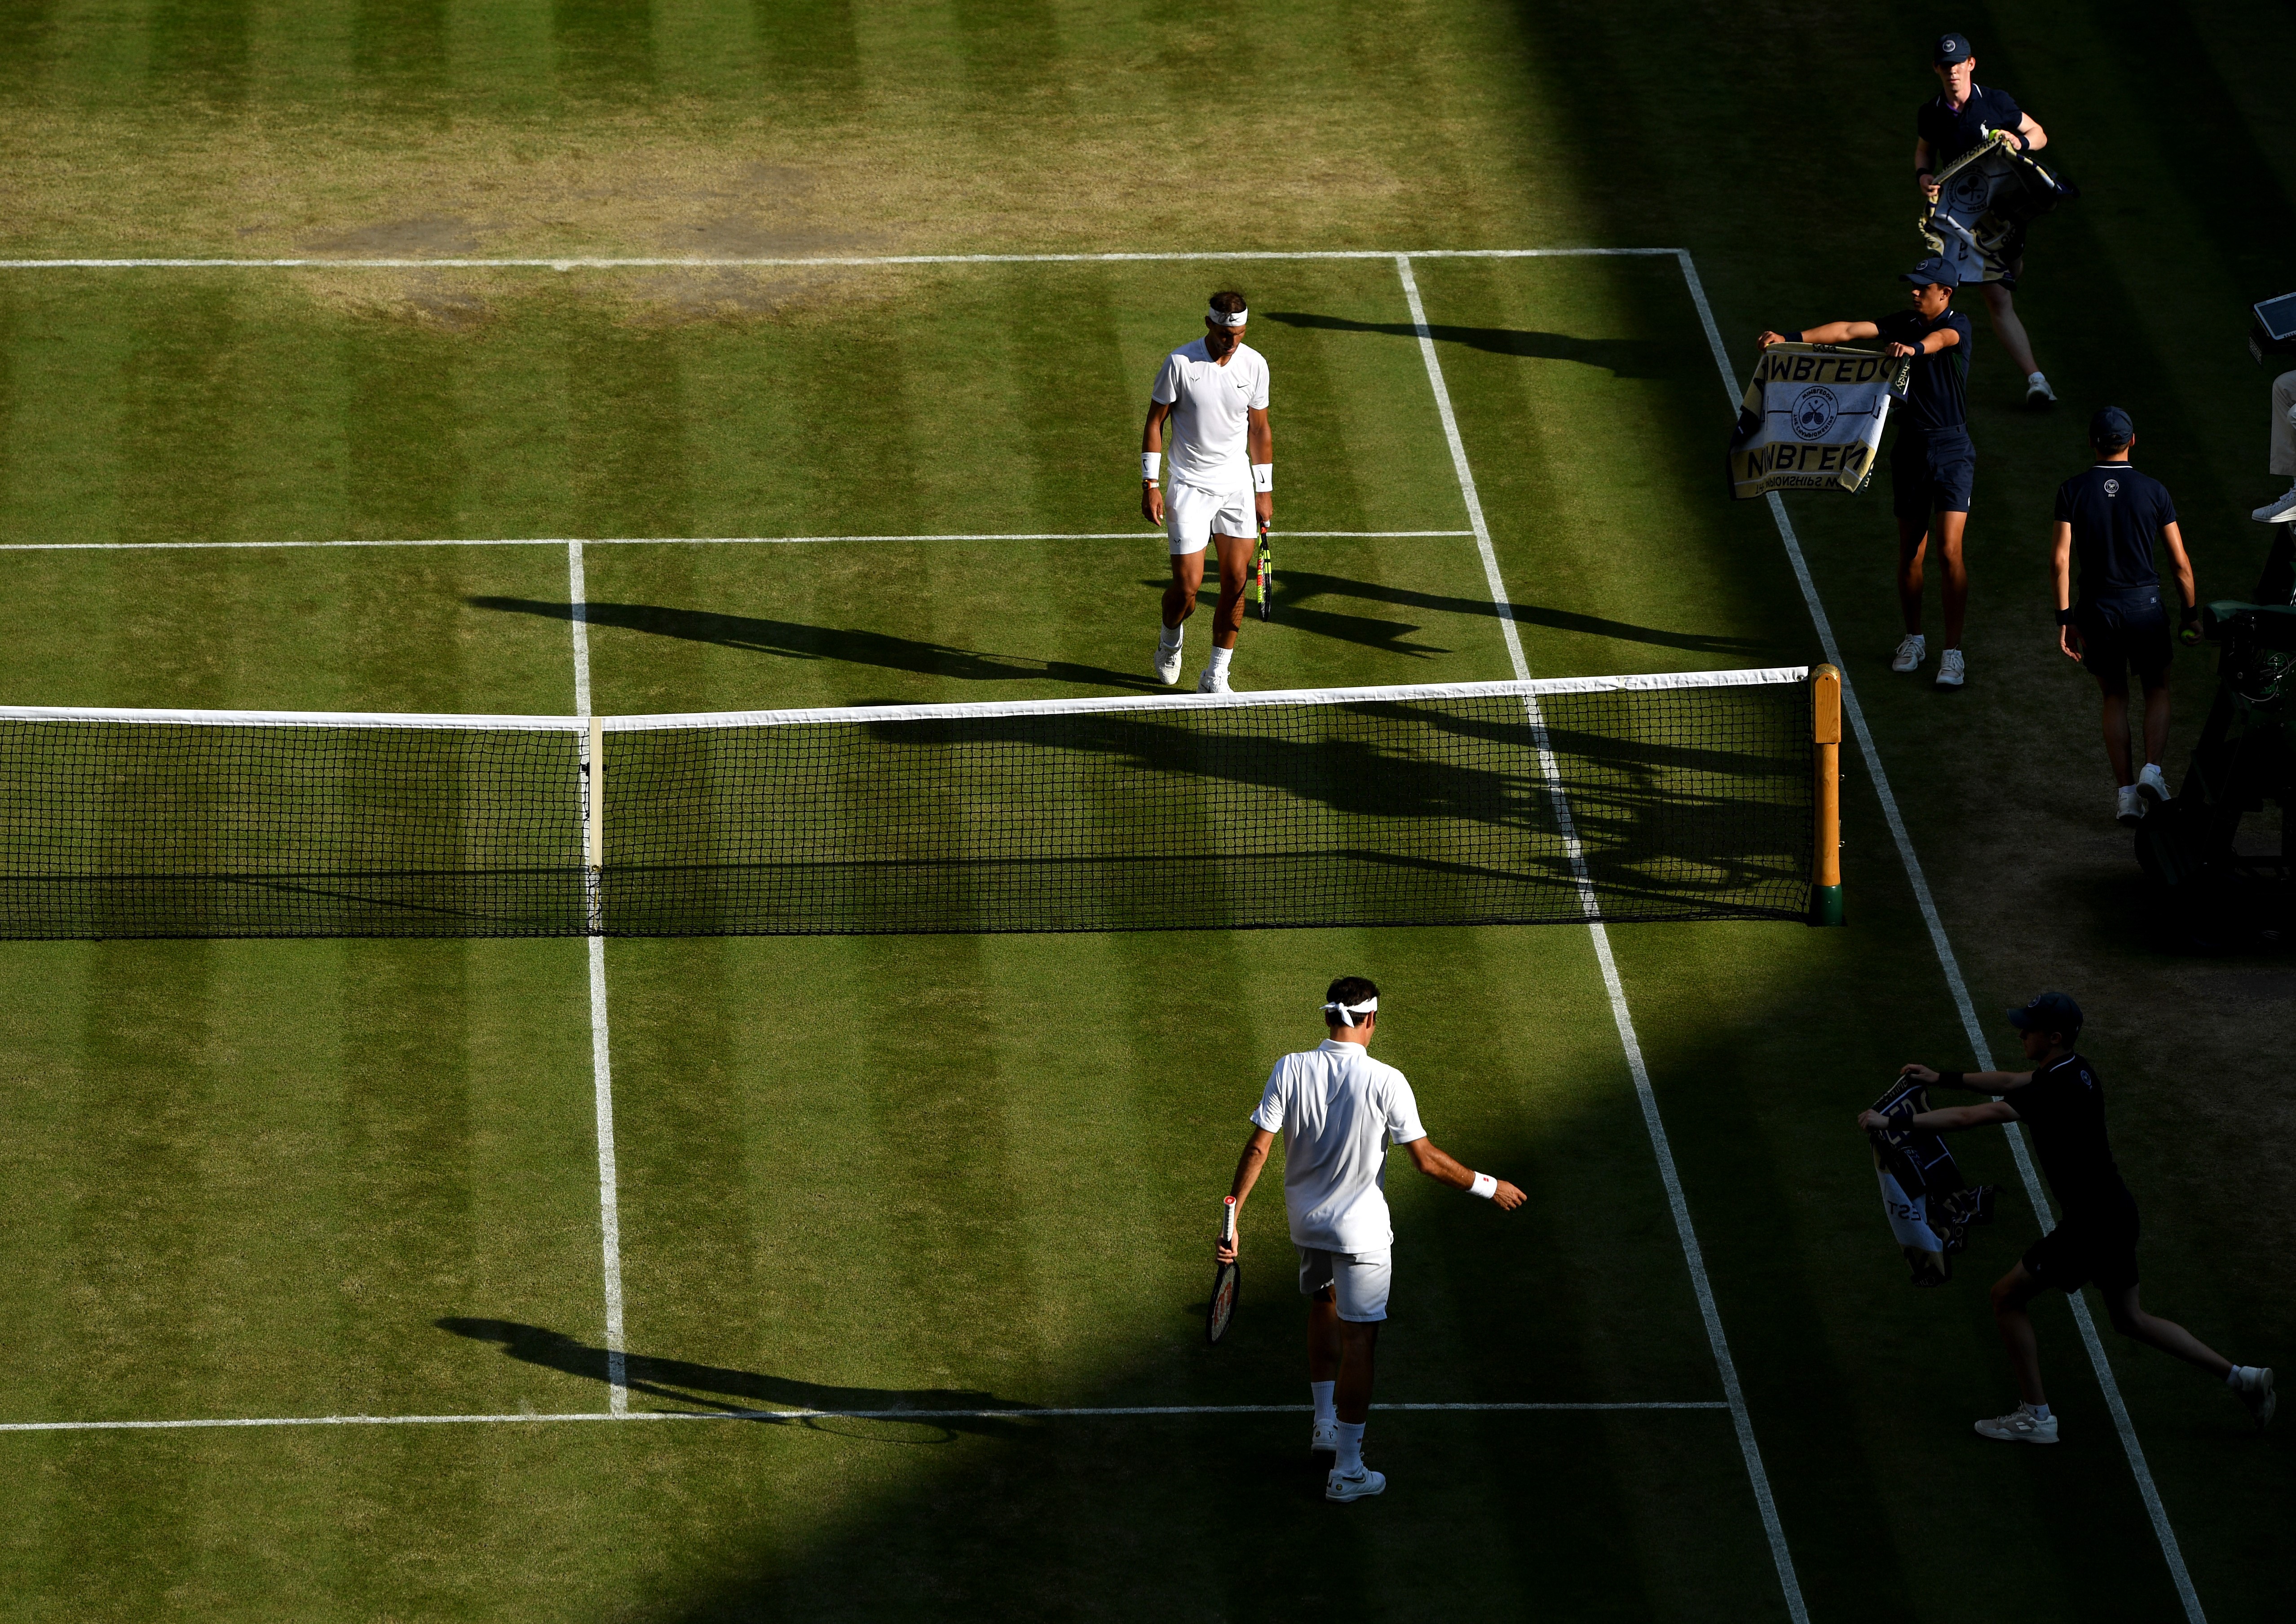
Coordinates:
(1826,734)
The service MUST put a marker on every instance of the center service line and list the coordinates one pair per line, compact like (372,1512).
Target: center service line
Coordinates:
(1677,1203)
(1955,982)
(601,1064)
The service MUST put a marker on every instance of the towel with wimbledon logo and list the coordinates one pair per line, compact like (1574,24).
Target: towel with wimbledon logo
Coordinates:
(1812,419)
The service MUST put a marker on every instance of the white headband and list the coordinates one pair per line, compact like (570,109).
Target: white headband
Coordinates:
(1225,320)
(1351,1010)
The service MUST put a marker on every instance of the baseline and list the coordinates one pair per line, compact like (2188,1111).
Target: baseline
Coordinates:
(666,541)
(1677,1204)
(1954,980)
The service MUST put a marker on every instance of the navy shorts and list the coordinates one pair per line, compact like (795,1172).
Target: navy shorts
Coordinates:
(2124,631)
(1932,473)
(2098,1245)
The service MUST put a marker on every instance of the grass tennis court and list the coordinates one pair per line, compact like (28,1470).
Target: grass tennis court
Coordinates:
(966,1173)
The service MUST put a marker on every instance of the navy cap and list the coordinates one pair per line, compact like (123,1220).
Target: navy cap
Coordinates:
(2110,426)
(2052,1011)
(1933,269)
(1951,49)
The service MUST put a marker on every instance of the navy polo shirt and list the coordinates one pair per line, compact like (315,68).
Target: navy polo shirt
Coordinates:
(2117,514)
(1950,134)
(1937,388)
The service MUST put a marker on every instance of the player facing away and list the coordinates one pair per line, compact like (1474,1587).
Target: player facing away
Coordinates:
(2095,1238)
(1339,1110)
(1214,390)
(2110,517)
(1944,126)
(1933,463)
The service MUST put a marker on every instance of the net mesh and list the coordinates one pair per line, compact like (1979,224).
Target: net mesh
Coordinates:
(1398,807)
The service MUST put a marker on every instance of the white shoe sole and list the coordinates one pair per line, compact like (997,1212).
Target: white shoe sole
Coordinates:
(1341,1490)
(2015,1438)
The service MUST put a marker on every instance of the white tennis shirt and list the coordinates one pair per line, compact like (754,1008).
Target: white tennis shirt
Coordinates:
(1209,403)
(1338,1110)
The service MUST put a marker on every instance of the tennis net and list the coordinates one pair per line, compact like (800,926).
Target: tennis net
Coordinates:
(1681,797)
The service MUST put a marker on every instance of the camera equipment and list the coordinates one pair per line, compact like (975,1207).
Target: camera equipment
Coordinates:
(2208,891)
(2274,331)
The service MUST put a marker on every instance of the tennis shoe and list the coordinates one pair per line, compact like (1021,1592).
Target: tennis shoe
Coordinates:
(2038,392)
(1908,657)
(1324,1439)
(2153,785)
(1952,669)
(1213,682)
(1362,1486)
(1167,663)
(2128,805)
(2279,510)
(2256,1392)
(2019,1426)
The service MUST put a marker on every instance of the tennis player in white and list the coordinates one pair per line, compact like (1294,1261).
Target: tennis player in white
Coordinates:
(1215,391)
(1339,1110)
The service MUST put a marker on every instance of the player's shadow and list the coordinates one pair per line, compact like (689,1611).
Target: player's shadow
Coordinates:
(794,641)
(716,1387)
(1624,357)
(1292,587)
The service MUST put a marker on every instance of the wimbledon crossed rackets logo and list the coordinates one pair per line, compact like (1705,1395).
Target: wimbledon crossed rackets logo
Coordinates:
(1814,412)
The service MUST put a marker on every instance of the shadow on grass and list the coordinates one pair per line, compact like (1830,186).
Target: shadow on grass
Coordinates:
(1624,357)
(1291,586)
(719,1388)
(795,641)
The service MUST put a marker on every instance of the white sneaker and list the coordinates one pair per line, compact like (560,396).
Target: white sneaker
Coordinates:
(2152,784)
(1361,1486)
(1908,657)
(1213,682)
(2279,510)
(2128,805)
(2256,1392)
(2019,1426)
(1167,663)
(2038,392)
(1952,669)
(1324,1439)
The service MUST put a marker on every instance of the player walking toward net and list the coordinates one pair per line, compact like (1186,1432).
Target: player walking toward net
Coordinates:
(1933,463)
(1337,1110)
(2094,1241)
(1214,390)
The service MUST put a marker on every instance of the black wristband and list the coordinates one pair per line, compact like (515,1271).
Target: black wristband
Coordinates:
(1792,337)
(2065,617)
(1953,1080)
(2191,611)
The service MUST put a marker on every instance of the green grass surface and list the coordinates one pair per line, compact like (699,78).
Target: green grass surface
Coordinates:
(254,1178)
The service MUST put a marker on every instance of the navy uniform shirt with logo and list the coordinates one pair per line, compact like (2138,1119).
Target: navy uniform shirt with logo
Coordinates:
(1951,132)
(2096,1238)
(1933,464)
(2117,514)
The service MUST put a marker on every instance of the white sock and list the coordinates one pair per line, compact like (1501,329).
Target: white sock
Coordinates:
(2033,378)
(1171,637)
(1220,657)
(1321,1392)
(2238,1377)
(2040,1411)
(1351,1461)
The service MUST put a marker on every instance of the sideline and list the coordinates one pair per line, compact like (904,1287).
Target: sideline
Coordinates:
(660,541)
(1677,1204)
(1954,980)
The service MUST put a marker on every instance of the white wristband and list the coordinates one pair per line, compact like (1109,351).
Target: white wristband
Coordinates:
(1263,476)
(1150,465)
(1485,1186)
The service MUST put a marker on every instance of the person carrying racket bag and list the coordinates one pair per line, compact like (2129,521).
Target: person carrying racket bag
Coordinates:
(1339,1110)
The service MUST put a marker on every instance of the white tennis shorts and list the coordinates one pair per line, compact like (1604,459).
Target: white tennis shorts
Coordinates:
(1193,515)
(1358,1279)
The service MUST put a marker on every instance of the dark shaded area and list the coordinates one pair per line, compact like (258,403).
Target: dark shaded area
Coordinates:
(27,30)
(399,45)
(717,1387)
(199,48)
(1624,357)
(605,47)
(811,45)
(796,641)
(1304,584)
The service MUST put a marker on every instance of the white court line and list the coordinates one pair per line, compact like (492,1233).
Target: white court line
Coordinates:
(663,541)
(1969,1025)
(854,261)
(601,1064)
(1050,1412)
(1676,1202)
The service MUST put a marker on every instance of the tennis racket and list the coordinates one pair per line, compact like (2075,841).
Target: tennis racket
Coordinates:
(1225,1280)
(1260,588)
